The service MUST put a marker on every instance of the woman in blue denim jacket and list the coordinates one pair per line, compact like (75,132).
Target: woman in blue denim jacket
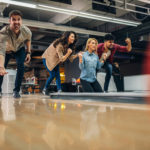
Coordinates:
(89,63)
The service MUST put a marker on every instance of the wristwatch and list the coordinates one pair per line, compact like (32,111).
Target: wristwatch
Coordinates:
(29,53)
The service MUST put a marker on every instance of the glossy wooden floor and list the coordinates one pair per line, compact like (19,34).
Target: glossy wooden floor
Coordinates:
(35,122)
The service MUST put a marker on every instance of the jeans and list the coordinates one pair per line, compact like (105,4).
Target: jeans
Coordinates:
(91,87)
(109,69)
(54,73)
(119,82)
(20,56)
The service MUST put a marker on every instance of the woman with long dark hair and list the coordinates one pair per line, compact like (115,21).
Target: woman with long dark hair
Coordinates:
(61,49)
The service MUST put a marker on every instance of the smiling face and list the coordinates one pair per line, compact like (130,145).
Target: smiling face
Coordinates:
(71,38)
(109,44)
(15,23)
(92,45)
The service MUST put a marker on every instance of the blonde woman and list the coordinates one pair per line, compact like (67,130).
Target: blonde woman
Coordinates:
(89,63)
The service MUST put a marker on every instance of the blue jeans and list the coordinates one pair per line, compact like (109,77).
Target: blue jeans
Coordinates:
(54,73)
(108,67)
(20,56)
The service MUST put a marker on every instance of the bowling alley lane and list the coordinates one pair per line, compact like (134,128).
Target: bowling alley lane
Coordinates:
(36,122)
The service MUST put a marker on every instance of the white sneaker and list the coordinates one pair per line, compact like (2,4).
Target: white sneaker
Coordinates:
(45,92)
(16,94)
(59,91)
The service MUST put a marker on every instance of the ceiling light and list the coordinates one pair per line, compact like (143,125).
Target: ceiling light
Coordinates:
(18,3)
(145,1)
(47,25)
(74,13)
(87,15)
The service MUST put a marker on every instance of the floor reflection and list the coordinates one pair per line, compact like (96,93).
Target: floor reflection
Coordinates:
(8,109)
(38,123)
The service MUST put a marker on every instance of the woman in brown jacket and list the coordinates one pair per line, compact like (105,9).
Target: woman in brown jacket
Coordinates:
(61,49)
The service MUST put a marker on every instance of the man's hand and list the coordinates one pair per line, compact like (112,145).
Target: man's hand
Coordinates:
(129,45)
(2,71)
(104,56)
(128,40)
(28,58)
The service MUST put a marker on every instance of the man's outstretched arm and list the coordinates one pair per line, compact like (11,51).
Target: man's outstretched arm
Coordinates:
(2,69)
(126,48)
(129,45)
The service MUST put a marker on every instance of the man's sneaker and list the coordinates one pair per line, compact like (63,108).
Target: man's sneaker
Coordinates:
(45,92)
(16,94)
(0,94)
(59,91)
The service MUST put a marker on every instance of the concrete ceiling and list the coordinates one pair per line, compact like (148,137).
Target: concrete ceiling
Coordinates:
(52,25)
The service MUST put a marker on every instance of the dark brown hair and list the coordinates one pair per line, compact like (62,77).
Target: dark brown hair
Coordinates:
(15,12)
(64,40)
(108,37)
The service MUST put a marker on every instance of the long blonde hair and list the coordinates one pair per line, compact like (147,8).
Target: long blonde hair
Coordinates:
(88,41)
